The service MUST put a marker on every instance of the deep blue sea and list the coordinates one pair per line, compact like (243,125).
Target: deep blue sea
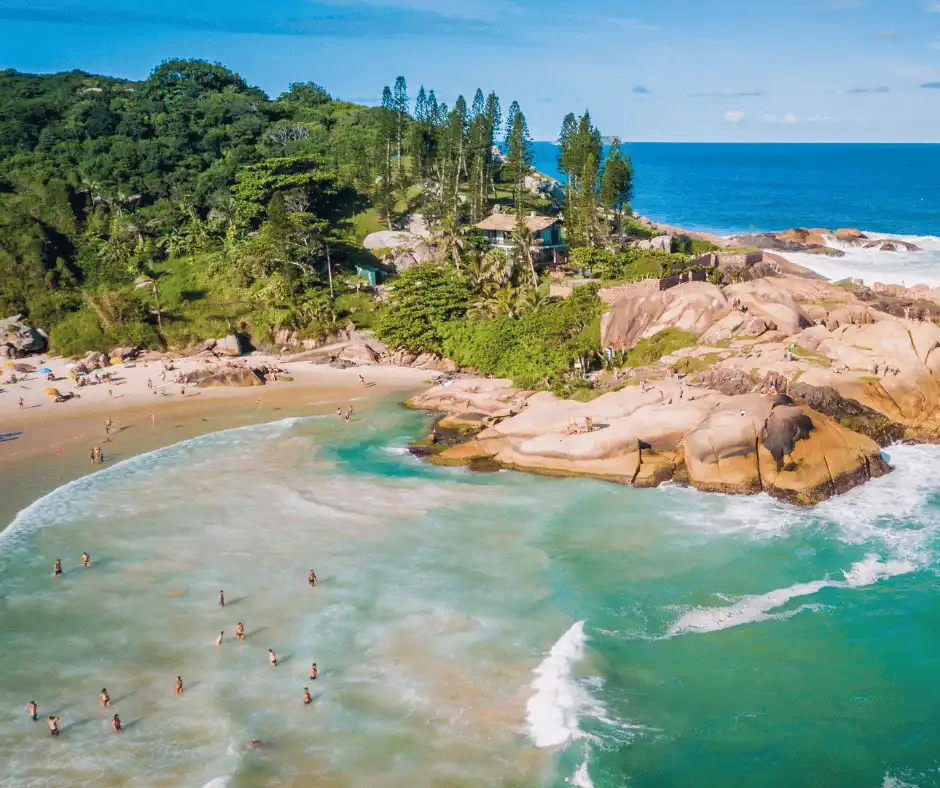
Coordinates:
(728,187)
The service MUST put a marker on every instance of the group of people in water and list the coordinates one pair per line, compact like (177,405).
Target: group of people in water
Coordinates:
(104,698)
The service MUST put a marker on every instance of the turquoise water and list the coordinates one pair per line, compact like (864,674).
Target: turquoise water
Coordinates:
(884,190)
(470,629)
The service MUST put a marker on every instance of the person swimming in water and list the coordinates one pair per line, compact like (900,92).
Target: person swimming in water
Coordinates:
(54,725)
(311,578)
(57,567)
(339,411)
(272,658)
(32,710)
(307,699)
(239,631)
(116,724)
(86,560)
(221,599)
(104,699)
(218,640)
(313,671)
(178,685)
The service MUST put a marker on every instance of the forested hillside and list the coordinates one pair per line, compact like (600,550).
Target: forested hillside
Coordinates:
(191,205)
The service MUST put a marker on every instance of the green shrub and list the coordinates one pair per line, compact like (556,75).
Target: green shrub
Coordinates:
(649,350)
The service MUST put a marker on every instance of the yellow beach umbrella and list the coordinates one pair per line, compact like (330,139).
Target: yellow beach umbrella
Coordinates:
(117,360)
(52,392)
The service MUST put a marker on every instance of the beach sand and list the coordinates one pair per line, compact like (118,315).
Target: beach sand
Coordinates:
(47,444)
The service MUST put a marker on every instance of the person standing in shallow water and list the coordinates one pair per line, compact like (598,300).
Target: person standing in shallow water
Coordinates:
(311,578)
(218,640)
(178,685)
(272,658)
(54,725)
(239,631)
(116,724)
(104,699)
(221,599)
(307,699)
(86,560)
(313,671)
(32,710)
(57,567)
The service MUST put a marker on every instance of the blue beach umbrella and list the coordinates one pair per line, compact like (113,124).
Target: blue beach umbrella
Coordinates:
(45,371)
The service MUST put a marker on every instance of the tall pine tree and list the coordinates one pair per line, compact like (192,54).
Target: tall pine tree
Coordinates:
(518,156)
(617,183)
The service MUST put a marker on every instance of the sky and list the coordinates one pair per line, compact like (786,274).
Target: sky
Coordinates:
(663,70)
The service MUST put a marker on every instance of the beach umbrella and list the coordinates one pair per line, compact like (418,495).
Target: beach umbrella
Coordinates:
(9,363)
(52,392)
(44,371)
(117,360)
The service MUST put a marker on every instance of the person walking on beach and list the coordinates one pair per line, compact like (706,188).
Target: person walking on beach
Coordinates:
(108,424)
(86,560)
(57,567)
(150,386)
(218,640)
(221,599)
(239,631)
(116,724)
(307,699)
(20,400)
(311,578)
(54,725)
(104,699)
(32,710)
(178,685)
(362,380)
(272,658)
(313,671)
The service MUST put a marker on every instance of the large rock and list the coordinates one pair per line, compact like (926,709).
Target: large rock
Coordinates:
(849,234)
(18,340)
(359,353)
(391,239)
(661,243)
(693,307)
(766,298)
(233,345)
(230,377)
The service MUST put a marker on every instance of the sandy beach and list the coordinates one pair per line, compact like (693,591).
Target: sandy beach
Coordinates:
(46,444)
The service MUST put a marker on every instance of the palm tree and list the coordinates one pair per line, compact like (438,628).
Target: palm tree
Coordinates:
(450,241)
(146,281)
(497,267)
(524,243)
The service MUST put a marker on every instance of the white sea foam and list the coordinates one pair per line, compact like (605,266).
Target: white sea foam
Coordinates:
(752,609)
(581,778)
(217,782)
(553,712)
(871,265)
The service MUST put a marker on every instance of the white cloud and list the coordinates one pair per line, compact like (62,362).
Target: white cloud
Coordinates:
(934,7)
(787,120)
(734,116)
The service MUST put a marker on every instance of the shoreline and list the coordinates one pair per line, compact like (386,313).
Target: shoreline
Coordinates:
(44,447)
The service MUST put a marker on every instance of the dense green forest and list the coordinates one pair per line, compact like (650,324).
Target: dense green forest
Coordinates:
(191,205)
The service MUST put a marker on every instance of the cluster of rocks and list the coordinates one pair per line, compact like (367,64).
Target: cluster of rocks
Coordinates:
(744,443)
(18,340)
(362,353)
(816,241)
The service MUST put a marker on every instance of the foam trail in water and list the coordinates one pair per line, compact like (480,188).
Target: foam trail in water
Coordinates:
(552,712)
(751,609)
(581,778)
(217,782)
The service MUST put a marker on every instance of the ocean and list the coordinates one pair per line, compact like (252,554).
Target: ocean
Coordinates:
(469,629)
(883,190)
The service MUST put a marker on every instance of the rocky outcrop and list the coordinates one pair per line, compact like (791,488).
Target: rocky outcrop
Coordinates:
(359,353)
(891,245)
(767,299)
(232,346)
(850,234)
(692,307)
(742,444)
(226,377)
(18,340)
(849,413)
